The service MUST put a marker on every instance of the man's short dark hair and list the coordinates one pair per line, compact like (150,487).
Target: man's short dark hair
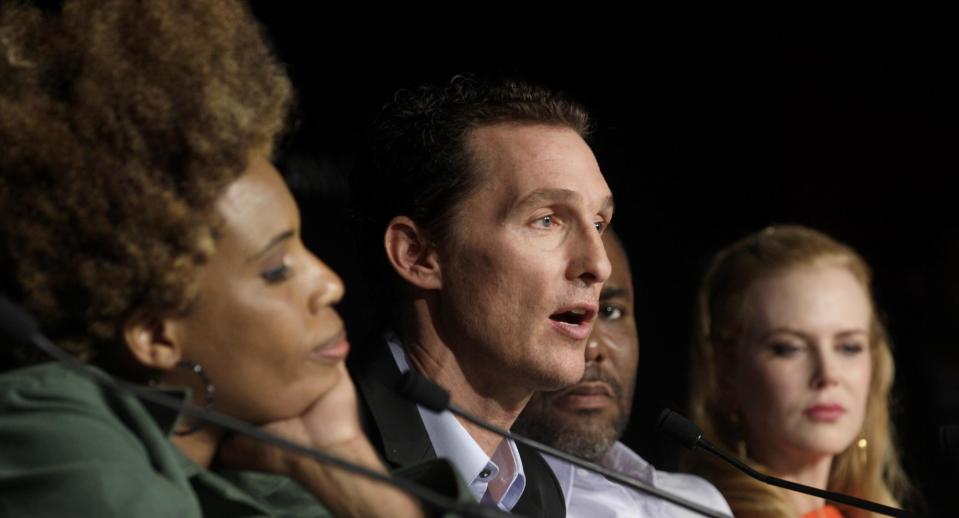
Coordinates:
(416,162)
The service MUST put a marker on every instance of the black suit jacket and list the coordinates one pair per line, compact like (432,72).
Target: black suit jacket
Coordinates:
(396,430)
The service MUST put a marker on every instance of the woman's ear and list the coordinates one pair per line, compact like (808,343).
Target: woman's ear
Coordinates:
(412,254)
(150,341)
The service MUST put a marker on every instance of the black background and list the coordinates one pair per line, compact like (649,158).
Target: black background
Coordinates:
(710,124)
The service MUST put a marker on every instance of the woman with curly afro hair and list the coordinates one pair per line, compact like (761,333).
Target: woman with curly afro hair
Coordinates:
(146,229)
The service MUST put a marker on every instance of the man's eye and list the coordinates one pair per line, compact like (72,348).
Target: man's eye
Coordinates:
(610,313)
(276,275)
(545,221)
(600,226)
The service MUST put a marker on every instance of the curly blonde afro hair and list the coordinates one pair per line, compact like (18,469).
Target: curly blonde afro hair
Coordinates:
(121,122)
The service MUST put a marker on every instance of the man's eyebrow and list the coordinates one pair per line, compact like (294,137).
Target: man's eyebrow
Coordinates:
(607,204)
(557,195)
(546,196)
(279,238)
(613,292)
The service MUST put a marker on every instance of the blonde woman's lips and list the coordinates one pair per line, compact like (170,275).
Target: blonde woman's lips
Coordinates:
(825,412)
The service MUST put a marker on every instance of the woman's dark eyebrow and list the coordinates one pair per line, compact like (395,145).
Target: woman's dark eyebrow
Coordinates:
(279,238)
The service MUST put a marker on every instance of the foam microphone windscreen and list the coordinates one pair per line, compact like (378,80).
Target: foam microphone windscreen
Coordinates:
(682,430)
(415,387)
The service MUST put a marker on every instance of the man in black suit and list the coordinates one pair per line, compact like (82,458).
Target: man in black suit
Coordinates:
(483,208)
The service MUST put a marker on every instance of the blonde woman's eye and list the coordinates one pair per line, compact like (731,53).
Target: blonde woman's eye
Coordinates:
(851,348)
(784,350)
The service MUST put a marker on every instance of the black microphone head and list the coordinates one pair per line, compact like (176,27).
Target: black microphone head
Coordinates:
(679,428)
(418,389)
(15,322)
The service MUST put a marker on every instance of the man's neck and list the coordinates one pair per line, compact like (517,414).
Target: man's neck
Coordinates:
(479,392)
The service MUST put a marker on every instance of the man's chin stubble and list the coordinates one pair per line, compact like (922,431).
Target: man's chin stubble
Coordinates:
(580,435)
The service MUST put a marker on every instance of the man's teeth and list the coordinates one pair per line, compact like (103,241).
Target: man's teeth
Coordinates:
(573,316)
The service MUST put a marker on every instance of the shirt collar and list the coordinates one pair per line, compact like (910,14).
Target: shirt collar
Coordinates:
(618,458)
(623,460)
(499,480)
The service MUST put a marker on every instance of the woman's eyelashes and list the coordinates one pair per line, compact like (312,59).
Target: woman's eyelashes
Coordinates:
(276,274)
(851,347)
(785,349)
(845,347)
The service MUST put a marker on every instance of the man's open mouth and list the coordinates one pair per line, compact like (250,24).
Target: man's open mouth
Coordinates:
(575,321)
(575,316)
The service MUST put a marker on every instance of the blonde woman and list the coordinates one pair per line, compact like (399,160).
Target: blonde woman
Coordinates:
(793,371)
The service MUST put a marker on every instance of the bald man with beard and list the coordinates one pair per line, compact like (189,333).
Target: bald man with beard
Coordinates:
(588,418)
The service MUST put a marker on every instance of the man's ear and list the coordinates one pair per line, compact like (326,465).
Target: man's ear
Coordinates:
(149,340)
(412,254)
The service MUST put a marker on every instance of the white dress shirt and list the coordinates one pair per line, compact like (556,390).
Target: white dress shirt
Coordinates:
(592,495)
(498,480)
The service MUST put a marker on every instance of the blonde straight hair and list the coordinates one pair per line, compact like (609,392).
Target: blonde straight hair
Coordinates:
(873,472)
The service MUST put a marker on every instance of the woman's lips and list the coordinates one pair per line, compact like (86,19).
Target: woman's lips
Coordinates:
(825,412)
(334,349)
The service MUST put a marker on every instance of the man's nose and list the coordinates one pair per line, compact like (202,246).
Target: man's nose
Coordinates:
(590,262)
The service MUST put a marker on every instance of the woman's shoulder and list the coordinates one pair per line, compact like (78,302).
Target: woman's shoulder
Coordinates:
(69,445)
(42,398)
(50,400)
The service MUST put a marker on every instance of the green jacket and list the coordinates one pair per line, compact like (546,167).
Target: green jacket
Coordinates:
(70,447)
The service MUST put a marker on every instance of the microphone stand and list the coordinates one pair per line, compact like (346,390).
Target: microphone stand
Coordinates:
(424,392)
(689,435)
(24,328)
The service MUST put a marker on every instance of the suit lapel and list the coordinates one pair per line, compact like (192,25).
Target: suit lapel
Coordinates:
(391,421)
(395,427)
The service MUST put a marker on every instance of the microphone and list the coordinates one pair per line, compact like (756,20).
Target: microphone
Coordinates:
(420,390)
(19,326)
(686,433)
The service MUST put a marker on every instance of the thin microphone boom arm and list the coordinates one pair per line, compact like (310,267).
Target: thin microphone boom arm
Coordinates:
(683,431)
(424,392)
(23,327)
